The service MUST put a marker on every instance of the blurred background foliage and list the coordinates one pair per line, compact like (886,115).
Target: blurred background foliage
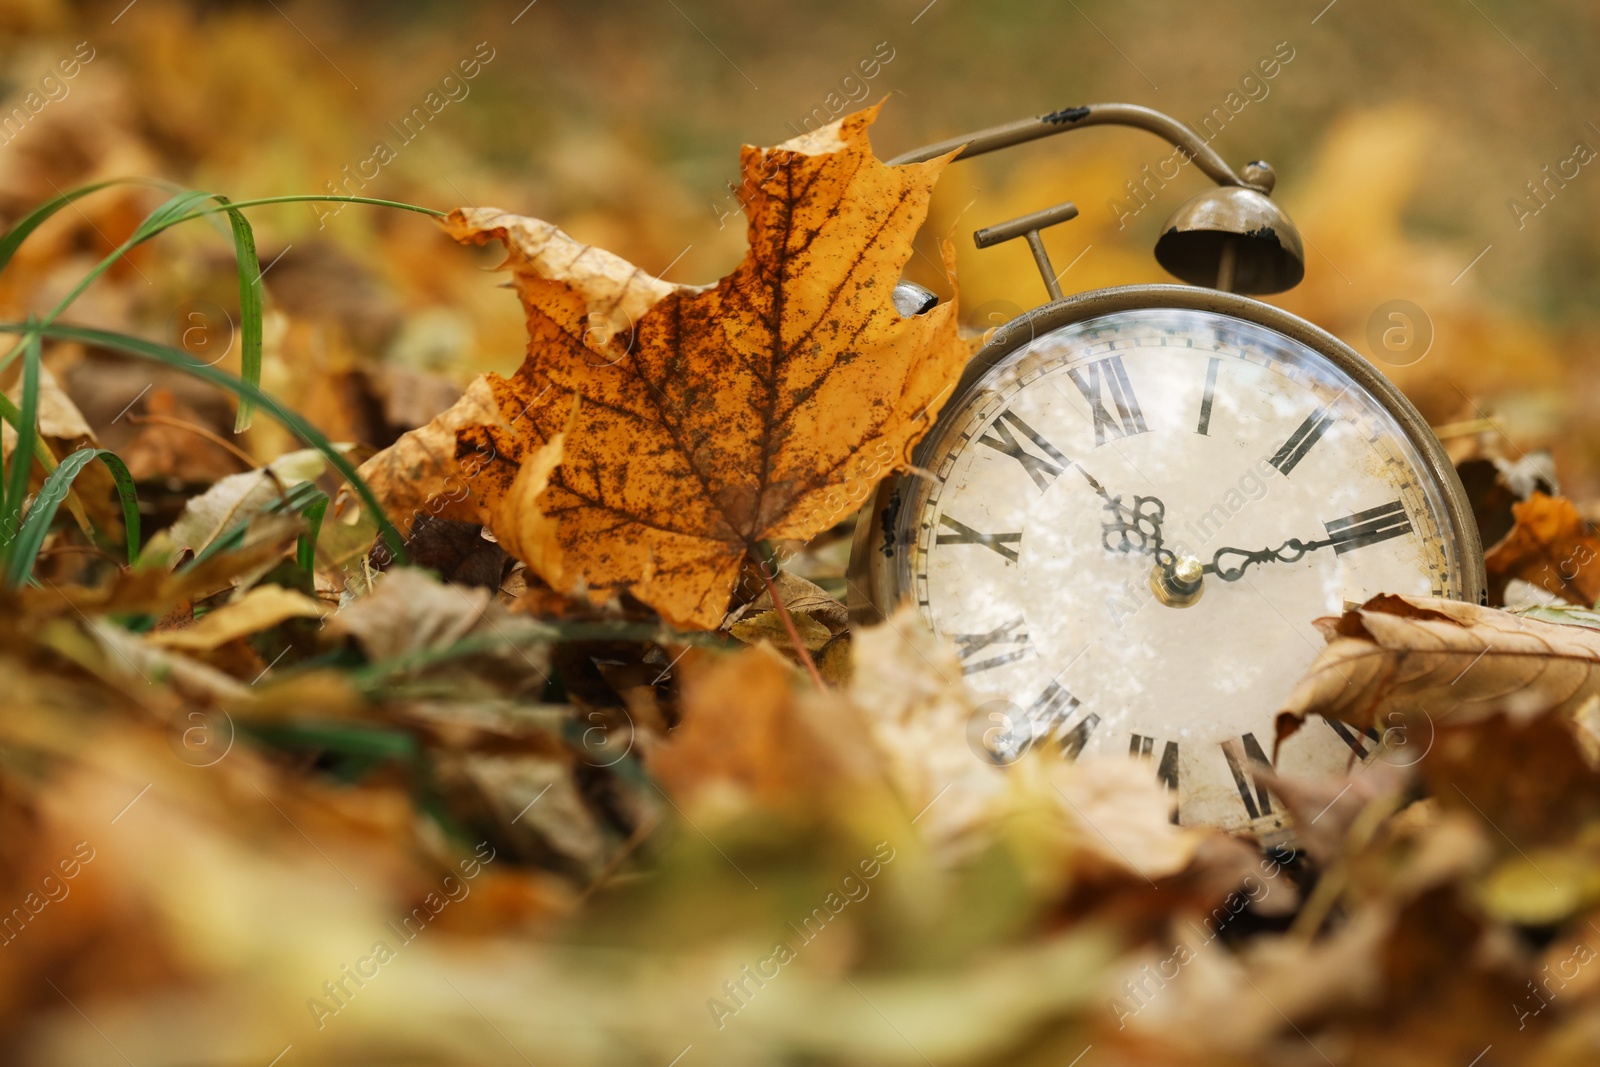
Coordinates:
(1400,132)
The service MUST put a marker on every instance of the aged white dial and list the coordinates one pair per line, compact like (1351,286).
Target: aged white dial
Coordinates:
(1130,524)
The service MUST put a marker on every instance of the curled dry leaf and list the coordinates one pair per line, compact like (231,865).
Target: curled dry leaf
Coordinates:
(803,597)
(410,612)
(1552,547)
(818,618)
(236,498)
(1398,658)
(712,417)
(59,418)
(768,626)
(514,516)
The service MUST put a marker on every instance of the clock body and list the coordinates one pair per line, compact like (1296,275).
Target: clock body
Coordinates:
(1128,516)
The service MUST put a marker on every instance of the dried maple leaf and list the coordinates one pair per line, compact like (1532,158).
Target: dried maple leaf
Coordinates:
(1550,546)
(710,418)
(417,475)
(1396,655)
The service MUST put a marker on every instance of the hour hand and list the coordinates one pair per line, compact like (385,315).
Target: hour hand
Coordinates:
(1135,527)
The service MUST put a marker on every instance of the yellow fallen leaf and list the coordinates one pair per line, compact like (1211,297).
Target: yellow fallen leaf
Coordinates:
(261,608)
(768,626)
(765,406)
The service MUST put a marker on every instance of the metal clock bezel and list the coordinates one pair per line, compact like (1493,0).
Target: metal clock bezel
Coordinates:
(876,582)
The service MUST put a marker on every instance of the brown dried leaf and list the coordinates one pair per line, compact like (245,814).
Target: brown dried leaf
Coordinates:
(410,612)
(1552,547)
(525,531)
(166,447)
(802,597)
(768,626)
(59,418)
(1397,654)
(711,417)
(261,608)
(748,733)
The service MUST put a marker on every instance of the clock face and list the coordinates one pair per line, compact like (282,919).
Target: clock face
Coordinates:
(1128,527)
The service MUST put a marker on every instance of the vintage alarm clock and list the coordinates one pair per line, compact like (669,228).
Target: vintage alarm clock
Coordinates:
(1138,499)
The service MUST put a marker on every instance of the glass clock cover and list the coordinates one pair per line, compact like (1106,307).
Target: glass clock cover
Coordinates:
(1129,524)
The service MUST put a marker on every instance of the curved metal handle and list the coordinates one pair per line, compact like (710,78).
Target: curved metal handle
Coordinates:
(1162,125)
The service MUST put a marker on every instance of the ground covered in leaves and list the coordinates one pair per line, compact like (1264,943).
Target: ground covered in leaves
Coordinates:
(579,761)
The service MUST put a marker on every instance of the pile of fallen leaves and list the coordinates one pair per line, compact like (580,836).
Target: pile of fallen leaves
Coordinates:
(592,770)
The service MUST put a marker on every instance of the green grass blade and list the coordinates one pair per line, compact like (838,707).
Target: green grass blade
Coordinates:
(30,538)
(177,210)
(128,494)
(306,550)
(168,214)
(172,357)
(16,480)
(244,247)
(41,214)
(319,199)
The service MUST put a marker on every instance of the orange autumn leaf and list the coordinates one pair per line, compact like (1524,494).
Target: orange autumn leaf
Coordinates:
(1552,547)
(748,729)
(712,417)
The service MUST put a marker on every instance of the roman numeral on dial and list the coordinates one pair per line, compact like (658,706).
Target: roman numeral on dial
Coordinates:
(1049,715)
(1350,737)
(1007,633)
(1368,527)
(1210,395)
(1108,379)
(1243,754)
(966,535)
(1299,443)
(1141,747)
(1043,470)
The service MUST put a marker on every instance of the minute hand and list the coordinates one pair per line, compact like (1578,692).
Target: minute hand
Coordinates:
(1291,551)
(1364,528)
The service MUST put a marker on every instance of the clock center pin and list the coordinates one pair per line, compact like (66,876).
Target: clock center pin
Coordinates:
(1179,583)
